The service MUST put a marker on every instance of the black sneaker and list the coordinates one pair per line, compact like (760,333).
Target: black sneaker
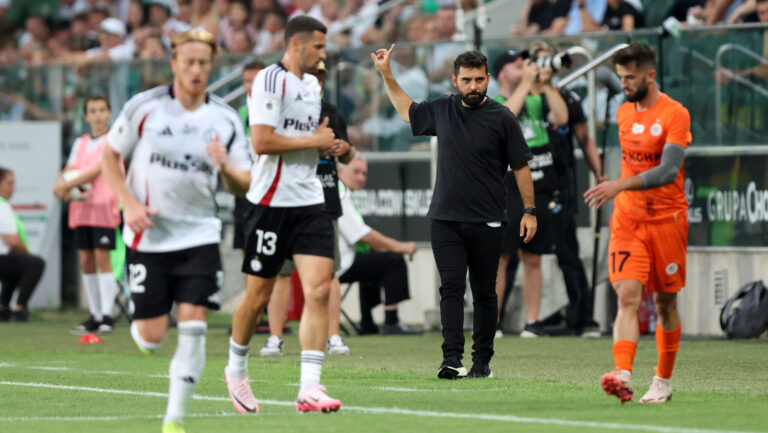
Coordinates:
(399,329)
(533,330)
(479,371)
(89,326)
(368,328)
(451,369)
(107,325)
(20,316)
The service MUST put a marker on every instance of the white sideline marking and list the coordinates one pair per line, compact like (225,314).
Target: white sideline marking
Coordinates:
(108,418)
(398,411)
(400,389)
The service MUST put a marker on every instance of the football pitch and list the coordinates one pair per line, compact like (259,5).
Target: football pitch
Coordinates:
(49,383)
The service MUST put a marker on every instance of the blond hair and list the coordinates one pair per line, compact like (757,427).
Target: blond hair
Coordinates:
(194,35)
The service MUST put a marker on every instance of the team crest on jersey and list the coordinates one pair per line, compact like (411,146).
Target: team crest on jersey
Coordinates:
(210,134)
(638,128)
(656,129)
(671,268)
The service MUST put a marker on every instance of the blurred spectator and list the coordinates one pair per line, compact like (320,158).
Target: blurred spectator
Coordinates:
(751,11)
(619,15)
(309,7)
(59,43)
(80,39)
(152,48)
(445,24)
(4,5)
(330,11)
(543,17)
(162,15)
(185,12)
(69,8)
(237,19)
(354,20)
(112,33)
(259,9)
(9,53)
(95,17)
(271,35)
(221,7)
(205,16)
(595,9)
(240,42)
(35,36)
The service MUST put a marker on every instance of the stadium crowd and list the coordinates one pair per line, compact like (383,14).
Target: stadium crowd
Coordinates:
(79,32)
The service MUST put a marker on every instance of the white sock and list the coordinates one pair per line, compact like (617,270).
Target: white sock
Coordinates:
(311,368)
(140,341)
(662,380)
(107,290)
(91,283)
(237,367)
(186,367)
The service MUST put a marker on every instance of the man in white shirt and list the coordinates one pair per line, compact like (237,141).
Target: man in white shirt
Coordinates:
(18,268)
(371,258)
(174,136)
(287,216)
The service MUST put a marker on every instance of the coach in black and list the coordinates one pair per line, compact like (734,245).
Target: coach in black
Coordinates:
(477,138)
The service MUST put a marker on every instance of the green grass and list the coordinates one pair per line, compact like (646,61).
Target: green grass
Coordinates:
(719,386)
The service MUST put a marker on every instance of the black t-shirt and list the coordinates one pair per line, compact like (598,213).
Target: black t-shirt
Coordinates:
(475,147)
(326,166)
(543,14)
(612,18)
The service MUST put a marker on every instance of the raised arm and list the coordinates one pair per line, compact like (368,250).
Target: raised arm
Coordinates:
(400,100)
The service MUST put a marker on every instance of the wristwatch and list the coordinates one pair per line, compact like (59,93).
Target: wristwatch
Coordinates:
(530,211)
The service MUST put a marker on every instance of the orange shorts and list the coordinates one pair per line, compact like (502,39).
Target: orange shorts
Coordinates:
(650,252)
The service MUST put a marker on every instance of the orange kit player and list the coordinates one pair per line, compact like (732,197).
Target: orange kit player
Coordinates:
(649,228)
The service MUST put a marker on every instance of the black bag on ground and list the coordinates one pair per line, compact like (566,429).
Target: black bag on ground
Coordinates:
(745,314)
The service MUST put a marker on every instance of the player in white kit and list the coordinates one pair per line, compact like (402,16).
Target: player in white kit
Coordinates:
(287,215)
(171,228)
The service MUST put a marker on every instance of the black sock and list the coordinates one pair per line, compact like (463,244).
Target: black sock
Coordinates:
(366,318)
(390,317)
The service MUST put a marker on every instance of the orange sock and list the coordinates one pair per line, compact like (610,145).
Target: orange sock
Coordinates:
(624,354)
(667,343)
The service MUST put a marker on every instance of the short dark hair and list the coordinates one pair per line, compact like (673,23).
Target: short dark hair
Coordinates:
(256,64)
(93,98)
(303,24)
(638,52)
(3,172)
(470,59)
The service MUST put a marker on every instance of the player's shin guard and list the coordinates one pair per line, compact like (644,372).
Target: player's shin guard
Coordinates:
(144,346)
(624,354)
(667,344)
(186,367)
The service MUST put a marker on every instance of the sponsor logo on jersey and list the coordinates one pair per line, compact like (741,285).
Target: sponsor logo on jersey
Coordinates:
(640,157)
(189,129)
(188,164)
(309,125)
(638,128)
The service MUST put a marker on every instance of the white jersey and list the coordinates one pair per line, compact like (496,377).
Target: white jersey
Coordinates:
(292,106)
(170,170)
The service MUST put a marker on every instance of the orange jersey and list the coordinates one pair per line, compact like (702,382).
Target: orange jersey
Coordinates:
(642,135)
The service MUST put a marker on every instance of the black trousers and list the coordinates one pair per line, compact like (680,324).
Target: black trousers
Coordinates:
(458,247)
(22,271)
(579,311)
(375,270)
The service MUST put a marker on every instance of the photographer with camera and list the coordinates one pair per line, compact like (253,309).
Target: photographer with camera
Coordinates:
(526,89)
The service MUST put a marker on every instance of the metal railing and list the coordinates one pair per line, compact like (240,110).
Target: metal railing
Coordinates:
(738,79)
(589,69)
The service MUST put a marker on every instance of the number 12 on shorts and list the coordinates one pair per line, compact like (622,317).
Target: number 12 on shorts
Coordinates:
(265,242)
(623,259)
(137,274)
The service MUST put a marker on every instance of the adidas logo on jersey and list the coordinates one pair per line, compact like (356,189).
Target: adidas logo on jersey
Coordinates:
(166,131)
(298,97)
